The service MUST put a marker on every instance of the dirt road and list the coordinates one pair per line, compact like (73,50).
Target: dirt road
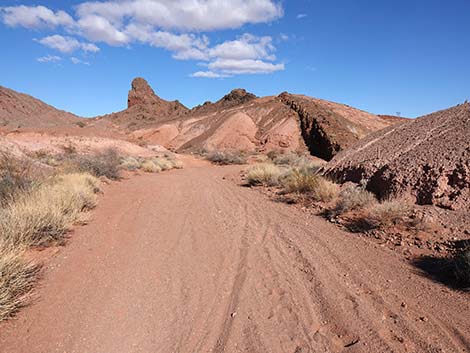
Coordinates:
(188,261)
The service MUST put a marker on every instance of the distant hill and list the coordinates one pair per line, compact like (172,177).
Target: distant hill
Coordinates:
(240,120)
(20,110)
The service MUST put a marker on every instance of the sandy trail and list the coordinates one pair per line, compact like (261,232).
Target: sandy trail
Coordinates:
(187,261)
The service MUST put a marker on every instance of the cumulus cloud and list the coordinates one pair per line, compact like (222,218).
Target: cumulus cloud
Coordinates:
(99,29)
(67,44)
(246,47)
(49,58)
(301,15)
(34,17)
(188,15)
(177,26)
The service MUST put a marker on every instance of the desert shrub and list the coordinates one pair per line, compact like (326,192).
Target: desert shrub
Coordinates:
(325,190)
(299,181)
(387,213)
(163,163)
(295,160)
(149,166)
(303,181)
(177,164)
(15,176)
(353,198)
(17,278)
(226,157)
(461,267)
(130,163)
(45,213)
(105,163)
(80,124)
(263,174)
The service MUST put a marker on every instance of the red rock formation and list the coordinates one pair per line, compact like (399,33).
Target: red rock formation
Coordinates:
(428,157)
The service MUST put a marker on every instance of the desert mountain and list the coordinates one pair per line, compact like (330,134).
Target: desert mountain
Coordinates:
(240,120)
(428,157)
(21,110)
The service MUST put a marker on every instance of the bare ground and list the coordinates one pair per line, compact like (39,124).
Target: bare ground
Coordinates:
(188,261)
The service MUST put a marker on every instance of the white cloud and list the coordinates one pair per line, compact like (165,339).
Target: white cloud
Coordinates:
(49,58)
(189,15)
(246,47)
(208,74)
(99,29)
(34,17)
(77,61)
(67,44)
(173,25)
(184,46)
(301,15)
(237,67)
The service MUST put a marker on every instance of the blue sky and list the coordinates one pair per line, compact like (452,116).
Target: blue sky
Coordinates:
(381,56)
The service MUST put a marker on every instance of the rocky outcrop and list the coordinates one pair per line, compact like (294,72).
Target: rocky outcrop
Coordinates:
(428,157)
(236,97)
(144,107)
(141,94)
(328,128)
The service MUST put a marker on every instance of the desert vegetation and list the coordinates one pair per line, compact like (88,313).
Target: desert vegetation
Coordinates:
(41,197)
(226,157)
(36,211)
(263,174)
(298,176)
(295,160)
(151,165)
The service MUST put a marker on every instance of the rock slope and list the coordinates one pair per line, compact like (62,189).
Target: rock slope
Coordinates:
(328,127)
(240,120)
(428,157)
(19,110)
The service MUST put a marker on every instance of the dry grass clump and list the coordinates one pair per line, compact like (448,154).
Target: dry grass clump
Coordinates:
(353,198)
(305,182)
(130,163)
(295,160)
(149,166)
(387,213)
(107,163)
(45,213)
(163,163)
(15,176)
(17,278)
(177,164)
(461,268)
(300,181)
(325,191)
(36,217)
(226,157)
(263,174)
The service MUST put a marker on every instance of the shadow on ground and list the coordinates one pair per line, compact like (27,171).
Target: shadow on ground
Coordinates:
(451,271)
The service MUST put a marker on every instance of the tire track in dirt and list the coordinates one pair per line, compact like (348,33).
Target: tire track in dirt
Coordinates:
(189,261)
